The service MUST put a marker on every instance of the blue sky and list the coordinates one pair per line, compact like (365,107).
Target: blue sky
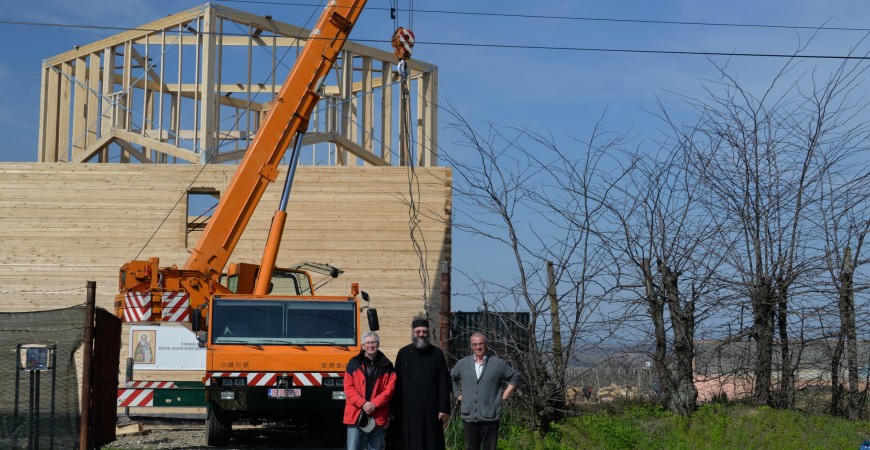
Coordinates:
(562,92)
(556,90)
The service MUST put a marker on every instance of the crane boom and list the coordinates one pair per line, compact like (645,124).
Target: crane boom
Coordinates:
(289,113)
(145,287)
(268,336)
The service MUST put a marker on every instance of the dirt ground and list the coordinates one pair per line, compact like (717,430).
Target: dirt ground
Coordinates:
(191,435)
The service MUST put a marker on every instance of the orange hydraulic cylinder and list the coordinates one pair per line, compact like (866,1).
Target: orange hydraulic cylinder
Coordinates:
(270,254)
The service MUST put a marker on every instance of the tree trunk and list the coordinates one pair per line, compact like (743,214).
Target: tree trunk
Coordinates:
(787,378)
(558,361)
(657,314)
(847,319)
(762,311)
(684,398)
(836,359)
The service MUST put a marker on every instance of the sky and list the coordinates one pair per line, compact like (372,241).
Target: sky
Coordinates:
(562,91)
(554,66)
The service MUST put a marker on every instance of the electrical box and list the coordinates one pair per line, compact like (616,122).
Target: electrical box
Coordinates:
(35,357)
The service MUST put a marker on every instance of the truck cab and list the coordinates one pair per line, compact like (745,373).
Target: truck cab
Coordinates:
(278,359)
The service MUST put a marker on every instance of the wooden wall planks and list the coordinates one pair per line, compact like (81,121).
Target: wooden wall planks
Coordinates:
(64,224)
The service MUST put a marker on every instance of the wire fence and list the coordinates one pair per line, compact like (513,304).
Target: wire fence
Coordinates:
(39,408)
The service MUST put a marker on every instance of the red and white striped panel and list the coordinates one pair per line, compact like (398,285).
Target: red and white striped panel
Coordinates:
(150,384)
(271,378)
(135,397)
(137,306)
(406,39)
(262,379)
(175,307)
(312,378)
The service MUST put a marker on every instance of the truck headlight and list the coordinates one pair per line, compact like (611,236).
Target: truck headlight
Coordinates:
(338,395)
(333,381)
(230,395)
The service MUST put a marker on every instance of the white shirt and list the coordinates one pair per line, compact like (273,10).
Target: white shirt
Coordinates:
(478,366)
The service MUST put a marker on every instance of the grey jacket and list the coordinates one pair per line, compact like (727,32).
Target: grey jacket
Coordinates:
(481,399)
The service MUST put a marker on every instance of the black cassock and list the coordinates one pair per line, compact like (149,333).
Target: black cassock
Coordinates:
(422,391)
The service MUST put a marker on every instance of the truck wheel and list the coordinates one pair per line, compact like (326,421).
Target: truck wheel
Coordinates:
(217,429)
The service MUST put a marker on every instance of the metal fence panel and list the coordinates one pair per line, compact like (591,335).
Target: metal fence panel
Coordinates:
(39,407)
(507,333)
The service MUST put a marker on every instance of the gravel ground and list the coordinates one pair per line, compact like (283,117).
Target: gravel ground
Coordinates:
(191,436)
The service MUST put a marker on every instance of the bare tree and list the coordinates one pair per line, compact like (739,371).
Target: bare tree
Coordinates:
(762,159)
(844,211)
(662,221)
(745,211)
(522,191)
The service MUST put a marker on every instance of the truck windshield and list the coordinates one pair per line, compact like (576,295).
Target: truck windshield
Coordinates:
(283,322)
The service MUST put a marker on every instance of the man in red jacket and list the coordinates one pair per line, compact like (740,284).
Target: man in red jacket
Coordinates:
(369,383)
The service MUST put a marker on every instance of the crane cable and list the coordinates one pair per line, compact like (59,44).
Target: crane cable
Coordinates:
(403,42)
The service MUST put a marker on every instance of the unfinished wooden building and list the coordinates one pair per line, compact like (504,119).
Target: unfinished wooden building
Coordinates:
(193,87)
(139,134)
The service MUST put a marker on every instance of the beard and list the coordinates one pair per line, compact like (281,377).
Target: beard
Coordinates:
(420,343)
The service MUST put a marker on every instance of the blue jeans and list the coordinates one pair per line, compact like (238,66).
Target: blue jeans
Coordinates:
(357,440)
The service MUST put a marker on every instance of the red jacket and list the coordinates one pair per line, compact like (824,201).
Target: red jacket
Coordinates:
(384,379)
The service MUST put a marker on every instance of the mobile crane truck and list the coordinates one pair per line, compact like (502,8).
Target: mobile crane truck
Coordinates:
(275,351)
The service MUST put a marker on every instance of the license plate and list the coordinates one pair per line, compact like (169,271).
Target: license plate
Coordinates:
(285,393)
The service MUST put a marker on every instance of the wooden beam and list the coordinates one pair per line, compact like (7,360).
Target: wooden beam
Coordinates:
(162,147)
(432,124)
(108,109)
(359,152)
(49,108)
(63,120)
(367,105)
(144,63)
(95,147)
(208,107)
(79,107)
(346,83)
(166,23)
(386,112)
(93,99)
(317,138)
(133,151)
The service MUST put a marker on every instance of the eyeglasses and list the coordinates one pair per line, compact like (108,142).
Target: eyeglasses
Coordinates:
(477,345)
(375,343)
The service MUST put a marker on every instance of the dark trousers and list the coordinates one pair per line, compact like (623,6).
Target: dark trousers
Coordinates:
(477,433)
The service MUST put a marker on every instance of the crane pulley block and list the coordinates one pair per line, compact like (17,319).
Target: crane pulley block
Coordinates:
(403,42)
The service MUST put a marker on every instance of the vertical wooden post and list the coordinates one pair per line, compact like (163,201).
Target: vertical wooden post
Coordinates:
(445,304)
(554,314)
(386,111)
(87,367)
(209,128)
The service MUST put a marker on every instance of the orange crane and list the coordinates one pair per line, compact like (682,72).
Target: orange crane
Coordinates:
(275,350)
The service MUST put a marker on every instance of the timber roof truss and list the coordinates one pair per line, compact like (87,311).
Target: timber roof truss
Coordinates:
(193,87)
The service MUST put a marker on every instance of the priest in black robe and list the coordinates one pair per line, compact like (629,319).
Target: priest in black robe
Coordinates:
(422,397)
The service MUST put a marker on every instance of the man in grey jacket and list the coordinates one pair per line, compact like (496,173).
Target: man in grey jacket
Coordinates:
(477,384)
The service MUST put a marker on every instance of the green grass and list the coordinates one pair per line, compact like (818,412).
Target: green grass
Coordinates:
(713,426)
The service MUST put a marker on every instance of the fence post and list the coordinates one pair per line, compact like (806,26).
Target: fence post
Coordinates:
(554,315)
(87,367)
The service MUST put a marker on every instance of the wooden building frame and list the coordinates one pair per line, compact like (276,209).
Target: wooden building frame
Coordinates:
(193,87)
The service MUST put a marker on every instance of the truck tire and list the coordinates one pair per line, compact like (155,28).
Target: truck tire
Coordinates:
(217,429)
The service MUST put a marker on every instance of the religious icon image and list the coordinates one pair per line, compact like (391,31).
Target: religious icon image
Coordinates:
(144,352)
